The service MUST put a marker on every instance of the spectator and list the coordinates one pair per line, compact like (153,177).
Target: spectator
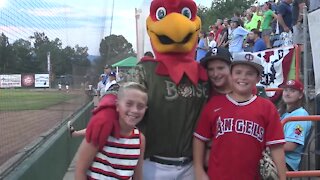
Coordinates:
(237,14)
(296,132)
(224,34)
(273,5)
(149,54)
(259,44)
(268,16)
(297,19)
(256,18)
(100,85)
(249,25)
(225,120)
(236,37)
(214,29)
(202,46)
(285,16)
(212,42)
(125,152)
(111,81)
(219,30)
(107,70)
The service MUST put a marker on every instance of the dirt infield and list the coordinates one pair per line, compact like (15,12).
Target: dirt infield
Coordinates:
(20,128)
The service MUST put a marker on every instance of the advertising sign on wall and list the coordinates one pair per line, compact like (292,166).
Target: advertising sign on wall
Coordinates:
(10,80)
(41,80)
(27,80)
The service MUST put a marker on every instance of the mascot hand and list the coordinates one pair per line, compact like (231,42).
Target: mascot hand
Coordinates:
(104,122)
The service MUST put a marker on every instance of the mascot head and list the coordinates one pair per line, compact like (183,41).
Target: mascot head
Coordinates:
(173,26)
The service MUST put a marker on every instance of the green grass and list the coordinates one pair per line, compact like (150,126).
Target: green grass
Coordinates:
(27,99)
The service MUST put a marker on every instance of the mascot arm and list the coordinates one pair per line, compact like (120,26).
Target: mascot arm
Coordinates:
(103,122)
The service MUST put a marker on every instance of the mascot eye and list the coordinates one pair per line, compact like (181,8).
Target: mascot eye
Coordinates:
(186,12)
(161,13)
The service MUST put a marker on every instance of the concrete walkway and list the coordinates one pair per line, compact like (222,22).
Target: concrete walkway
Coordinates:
(70,172)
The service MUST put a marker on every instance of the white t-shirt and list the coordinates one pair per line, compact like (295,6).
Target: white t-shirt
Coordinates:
(109,83)
(212,44)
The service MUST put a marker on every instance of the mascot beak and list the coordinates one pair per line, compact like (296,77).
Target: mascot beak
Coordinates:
(174,33)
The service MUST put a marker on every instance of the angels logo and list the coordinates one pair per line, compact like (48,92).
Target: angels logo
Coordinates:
(240,126)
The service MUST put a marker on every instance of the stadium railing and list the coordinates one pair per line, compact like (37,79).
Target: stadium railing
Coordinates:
(307,173)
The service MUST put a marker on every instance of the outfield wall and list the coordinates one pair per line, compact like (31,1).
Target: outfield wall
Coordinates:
(52,158)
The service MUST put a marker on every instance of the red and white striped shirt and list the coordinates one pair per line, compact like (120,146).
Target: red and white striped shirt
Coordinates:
(117,159)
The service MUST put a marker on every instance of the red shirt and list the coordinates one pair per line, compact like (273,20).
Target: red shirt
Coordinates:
(239,133)
(218,33)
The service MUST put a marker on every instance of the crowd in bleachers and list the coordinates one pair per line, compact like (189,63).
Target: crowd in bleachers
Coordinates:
(262,26)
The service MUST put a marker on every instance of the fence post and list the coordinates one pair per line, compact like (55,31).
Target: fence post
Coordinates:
(305,53)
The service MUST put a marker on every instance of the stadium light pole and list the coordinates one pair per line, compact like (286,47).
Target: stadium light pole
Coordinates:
(137,16)
(49,68)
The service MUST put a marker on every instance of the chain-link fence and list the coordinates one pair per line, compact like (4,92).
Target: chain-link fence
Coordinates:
(42,80)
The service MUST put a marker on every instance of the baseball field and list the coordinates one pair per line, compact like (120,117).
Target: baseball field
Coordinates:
(30,99)
(27,114)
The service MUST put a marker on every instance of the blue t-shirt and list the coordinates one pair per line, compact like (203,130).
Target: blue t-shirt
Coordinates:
(286,11)
(259,45)
(201,52)
(296,132)
(236,39)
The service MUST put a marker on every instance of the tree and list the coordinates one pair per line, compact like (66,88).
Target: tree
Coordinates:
(42,46)
(114,48)
(23,55)
(7,65)
(221,9)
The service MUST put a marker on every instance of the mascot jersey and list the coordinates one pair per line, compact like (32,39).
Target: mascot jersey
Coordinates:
(172,112)
(174,79)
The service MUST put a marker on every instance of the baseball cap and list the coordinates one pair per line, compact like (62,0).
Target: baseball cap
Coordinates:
(107,66)
(249,59)
(216,53)
(112,73)
(294,84)
(234,19)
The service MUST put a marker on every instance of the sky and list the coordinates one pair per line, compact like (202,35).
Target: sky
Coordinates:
(81,22)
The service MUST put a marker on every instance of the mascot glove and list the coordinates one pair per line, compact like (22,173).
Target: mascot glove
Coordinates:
(103,122)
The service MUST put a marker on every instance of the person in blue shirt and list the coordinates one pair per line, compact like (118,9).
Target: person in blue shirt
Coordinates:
(107,70)
(296,132)
(259,44)
(285,16)
(203,46)
(236,36)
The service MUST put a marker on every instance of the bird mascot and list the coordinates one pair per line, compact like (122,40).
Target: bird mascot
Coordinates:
(176,86)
